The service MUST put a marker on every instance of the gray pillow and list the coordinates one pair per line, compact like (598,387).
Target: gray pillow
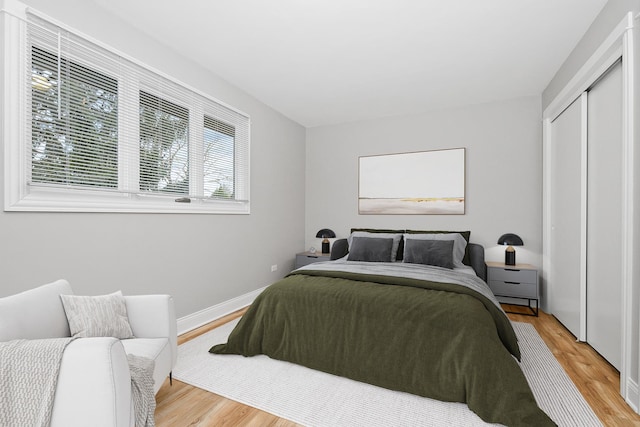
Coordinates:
(459,244)
(397,237)
(370,249)
(99,316)
(429,252)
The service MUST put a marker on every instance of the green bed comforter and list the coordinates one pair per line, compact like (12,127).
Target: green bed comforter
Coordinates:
(432,339)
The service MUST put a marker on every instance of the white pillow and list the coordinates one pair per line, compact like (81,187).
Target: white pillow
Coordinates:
(394,247)
(97,316)
(459,244)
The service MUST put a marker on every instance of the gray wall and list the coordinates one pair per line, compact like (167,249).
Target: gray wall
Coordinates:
(201,260)
(503,187)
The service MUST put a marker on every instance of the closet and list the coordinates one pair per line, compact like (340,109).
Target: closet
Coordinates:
(586,173)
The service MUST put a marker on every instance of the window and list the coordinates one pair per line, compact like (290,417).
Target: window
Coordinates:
(74,123)
(164,146)
(219,142)
(96,131)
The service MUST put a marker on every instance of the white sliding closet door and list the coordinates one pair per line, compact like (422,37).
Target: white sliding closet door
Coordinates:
(590,253)
(604,216)
(566,216)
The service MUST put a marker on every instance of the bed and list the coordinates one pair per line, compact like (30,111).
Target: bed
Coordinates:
(405,310)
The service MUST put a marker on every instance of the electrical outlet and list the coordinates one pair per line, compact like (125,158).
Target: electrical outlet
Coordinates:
(274,267)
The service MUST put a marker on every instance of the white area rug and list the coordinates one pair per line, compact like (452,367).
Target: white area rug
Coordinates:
(314,398)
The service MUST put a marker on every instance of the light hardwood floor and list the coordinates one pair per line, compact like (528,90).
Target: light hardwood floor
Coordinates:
(185,405)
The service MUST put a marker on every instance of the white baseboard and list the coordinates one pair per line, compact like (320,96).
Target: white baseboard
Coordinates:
(202,317)
(632,394)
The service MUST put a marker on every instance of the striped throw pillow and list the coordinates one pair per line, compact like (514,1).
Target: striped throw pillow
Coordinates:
(97,316)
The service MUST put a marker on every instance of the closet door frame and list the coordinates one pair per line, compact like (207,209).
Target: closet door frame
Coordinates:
(618,45)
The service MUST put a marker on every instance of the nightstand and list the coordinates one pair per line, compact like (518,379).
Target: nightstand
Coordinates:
(518,281)
(304,258)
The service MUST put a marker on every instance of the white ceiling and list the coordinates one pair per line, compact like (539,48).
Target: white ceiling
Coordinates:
(324,62)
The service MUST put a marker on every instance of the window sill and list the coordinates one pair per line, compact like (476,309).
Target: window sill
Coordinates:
(52,201)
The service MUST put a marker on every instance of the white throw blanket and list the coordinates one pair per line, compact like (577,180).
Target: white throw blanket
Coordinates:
(144,400)
(29,374)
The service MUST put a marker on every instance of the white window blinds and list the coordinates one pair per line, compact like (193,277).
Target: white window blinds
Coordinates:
(164,145)
(98,122)
(219,155)
(74,114)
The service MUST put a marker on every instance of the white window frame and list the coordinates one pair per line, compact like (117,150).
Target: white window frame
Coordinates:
(16,111)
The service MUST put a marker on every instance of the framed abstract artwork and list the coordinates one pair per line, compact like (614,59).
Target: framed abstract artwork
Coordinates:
(418,183)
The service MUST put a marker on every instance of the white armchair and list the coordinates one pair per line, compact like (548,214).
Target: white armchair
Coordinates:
(94,383)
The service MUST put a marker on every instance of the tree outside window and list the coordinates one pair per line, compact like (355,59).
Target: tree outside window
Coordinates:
(74,123)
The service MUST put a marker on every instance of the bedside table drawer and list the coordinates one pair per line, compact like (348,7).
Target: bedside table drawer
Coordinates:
(307,258)
(514,289)
(514,275)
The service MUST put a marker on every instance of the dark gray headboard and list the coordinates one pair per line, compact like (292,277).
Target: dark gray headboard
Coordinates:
(476,256)
(339,249)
